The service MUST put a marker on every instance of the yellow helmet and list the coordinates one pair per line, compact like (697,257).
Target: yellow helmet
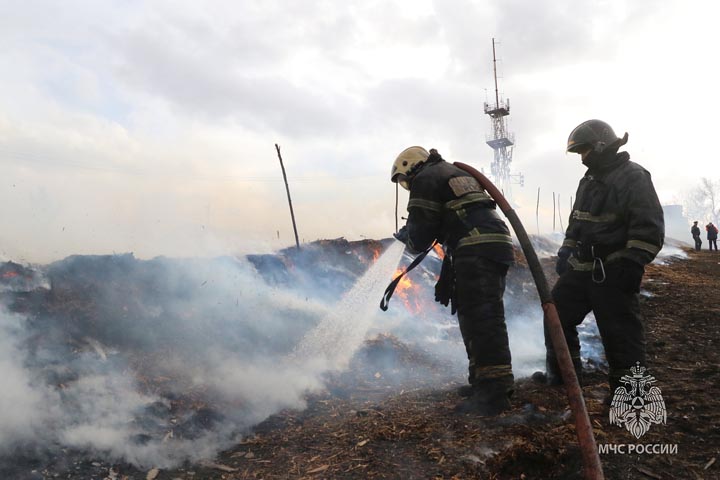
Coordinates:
(408,159)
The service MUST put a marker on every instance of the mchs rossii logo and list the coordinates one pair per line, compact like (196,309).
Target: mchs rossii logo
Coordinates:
(638,404)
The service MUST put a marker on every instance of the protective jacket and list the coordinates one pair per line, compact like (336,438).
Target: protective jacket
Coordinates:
(447,204)
(712,231)
(695,231)
(616,214)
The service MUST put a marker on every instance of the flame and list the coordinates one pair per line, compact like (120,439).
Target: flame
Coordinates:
(376,254)
(439,251)
(409,292)
(10,275)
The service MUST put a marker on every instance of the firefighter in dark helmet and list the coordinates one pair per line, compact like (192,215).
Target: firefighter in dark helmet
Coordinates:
(616,228)
(448,205)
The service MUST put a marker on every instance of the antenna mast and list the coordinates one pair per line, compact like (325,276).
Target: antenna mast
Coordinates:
(501,141)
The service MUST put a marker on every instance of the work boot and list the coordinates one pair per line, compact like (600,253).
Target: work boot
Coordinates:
(465,391)
(491,403)
(552,377)
(487,399)
(547,378)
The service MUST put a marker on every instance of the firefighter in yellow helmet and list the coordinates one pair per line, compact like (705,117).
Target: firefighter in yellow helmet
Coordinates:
(448,205)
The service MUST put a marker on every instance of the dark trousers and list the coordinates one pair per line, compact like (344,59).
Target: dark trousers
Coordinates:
(480,285)
(712,242)
(618,319)
(698,242)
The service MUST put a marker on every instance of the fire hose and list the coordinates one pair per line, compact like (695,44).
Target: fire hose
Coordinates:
(592,468)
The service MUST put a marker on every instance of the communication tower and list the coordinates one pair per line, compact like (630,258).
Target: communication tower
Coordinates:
(500,140)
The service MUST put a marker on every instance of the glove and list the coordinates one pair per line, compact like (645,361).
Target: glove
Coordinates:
(402,235)
(562,262)
(445,286)
(625,274)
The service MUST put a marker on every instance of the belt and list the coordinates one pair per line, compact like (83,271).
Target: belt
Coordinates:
(586,252)
(589,257)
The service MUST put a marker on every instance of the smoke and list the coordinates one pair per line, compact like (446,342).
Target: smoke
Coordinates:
(670,252)
(23,404)
(160,361)
(527,343)
(152,362)
(435,331)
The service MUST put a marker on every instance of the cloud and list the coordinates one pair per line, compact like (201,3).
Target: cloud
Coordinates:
(179,101)
(210,87)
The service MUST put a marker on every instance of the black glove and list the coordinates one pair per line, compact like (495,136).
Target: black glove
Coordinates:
(562,262)
(625,275)
(445,286)
(402,235)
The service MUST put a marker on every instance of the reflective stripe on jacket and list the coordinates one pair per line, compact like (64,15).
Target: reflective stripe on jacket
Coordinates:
(617,209)
(447,204)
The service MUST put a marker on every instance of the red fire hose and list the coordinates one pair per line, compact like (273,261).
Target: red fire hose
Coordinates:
(592,468)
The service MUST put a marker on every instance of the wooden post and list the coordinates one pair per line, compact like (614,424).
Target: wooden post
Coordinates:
(562,229)
(287,188)
(537,213)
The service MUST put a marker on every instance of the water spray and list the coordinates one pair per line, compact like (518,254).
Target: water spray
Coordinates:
(592,467)
(340,333)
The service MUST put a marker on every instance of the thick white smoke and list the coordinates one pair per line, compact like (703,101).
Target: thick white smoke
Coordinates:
(143,337)
(211,330)
(24,407)
(143,340)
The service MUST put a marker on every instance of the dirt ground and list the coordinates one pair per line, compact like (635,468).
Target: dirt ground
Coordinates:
(416,432)
(365,426)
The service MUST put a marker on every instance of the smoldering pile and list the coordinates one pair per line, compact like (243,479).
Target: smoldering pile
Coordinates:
(150,362)
(160,361)
(155,362)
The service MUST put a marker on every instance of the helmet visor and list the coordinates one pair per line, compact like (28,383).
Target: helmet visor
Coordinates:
(579,147)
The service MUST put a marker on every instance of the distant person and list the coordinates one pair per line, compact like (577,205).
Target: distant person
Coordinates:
(695,230)
(447,204)
(615,229)
(712,233)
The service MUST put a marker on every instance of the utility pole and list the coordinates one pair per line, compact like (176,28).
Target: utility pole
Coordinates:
(287,189)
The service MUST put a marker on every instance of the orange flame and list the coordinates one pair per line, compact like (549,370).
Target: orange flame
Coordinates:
(439,251)
(409,292)
(10,275)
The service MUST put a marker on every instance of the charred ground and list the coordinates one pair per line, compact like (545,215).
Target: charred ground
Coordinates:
(372,423)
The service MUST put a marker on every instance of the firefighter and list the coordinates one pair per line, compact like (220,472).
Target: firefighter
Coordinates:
(695,231)
(448,205)
(616,228)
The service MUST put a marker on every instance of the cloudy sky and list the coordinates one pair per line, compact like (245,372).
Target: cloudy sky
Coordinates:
(149,127)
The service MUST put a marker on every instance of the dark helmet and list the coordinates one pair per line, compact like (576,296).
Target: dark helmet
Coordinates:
(595,134)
